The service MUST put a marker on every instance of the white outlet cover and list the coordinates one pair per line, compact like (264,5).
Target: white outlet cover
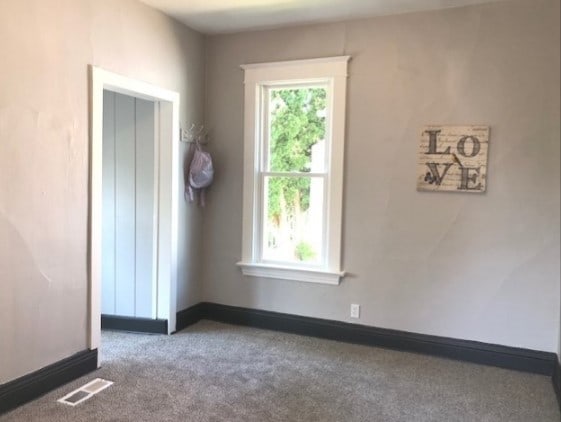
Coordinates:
(355,311)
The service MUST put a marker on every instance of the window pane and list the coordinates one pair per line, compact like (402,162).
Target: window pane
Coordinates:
(293,219)
(297,129)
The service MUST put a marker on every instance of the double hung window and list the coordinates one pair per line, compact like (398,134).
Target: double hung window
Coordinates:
(293,170)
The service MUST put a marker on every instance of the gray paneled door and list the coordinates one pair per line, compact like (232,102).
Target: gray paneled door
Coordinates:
(128,276)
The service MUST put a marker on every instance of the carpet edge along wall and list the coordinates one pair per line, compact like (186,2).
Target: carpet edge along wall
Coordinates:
(527,360)
(33,385)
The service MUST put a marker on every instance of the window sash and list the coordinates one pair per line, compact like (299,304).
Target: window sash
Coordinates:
(265,115)
(264,122)
(259,234)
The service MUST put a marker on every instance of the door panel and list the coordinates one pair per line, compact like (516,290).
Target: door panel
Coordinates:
(144,206)
(128,207)
(108,215)
(125,205)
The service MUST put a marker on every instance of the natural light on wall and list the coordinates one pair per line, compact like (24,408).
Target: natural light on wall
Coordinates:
(293,174)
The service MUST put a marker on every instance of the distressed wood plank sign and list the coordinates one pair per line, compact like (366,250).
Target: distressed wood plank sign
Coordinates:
(453,158)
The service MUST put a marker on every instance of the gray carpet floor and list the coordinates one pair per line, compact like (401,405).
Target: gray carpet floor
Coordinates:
(219,372)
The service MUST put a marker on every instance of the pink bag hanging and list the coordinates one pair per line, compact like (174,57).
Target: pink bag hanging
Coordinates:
(198,174)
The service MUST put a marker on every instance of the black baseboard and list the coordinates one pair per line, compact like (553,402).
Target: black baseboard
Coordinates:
(464,350)
(189,316)
(137,325)
(29,387)
(556,378)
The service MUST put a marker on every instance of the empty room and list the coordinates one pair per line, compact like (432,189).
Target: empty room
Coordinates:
(280,210)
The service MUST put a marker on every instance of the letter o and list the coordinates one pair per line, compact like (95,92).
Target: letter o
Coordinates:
(476,146)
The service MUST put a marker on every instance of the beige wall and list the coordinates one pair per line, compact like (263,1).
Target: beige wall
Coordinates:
(480,267)
(45,50)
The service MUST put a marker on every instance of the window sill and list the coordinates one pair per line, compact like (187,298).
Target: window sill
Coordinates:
(291,273)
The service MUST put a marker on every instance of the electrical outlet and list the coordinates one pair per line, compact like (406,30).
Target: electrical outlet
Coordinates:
(355,310)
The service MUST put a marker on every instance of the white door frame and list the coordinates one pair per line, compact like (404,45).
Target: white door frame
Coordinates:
(167,124)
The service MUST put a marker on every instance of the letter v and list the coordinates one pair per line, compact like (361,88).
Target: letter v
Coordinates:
(433,167)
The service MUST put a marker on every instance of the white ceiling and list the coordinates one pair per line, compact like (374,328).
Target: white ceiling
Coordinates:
(221,16)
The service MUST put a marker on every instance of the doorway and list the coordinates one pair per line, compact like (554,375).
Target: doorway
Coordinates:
(129,216)
(162,283)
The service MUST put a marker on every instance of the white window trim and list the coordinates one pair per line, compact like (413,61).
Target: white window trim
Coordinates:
(332,70)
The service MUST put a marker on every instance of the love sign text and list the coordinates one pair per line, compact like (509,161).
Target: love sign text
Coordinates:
(453,158)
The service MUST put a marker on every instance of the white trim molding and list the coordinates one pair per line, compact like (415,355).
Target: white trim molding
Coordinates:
(330,72)
(291,273)
(168,192)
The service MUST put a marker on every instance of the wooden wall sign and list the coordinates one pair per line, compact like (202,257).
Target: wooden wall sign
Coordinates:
(453,158)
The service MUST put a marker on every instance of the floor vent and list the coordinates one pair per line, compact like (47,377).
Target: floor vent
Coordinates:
(85,392)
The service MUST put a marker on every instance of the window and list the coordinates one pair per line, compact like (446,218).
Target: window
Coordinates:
(293,169)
